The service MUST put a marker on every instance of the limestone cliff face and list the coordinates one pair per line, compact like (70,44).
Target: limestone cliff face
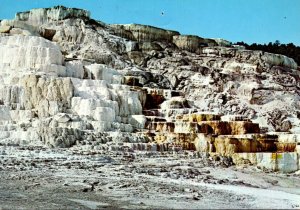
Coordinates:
(143,33)
(50,96)
(235,81)
(29,52)
(65,77)
(40,16)
(191,43)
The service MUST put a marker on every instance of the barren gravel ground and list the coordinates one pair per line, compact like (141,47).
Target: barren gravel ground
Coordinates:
(40,178)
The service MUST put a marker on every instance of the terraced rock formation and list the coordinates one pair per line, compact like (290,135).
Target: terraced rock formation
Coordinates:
(68,79)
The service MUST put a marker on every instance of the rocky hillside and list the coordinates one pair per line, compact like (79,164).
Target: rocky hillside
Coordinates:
(67,79)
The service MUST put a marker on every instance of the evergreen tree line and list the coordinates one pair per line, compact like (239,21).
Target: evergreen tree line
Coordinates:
(289,50)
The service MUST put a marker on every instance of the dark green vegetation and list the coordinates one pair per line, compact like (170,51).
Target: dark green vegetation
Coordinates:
(289,50)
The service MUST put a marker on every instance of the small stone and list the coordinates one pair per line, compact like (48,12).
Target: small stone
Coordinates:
(188,190)
(196,198)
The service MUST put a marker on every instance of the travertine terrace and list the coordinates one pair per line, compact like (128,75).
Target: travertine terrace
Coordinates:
(78,85)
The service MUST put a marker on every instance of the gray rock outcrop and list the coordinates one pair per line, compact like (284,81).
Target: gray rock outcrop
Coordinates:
(66,77)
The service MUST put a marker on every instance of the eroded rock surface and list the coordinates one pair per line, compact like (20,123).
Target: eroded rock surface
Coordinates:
(69,79)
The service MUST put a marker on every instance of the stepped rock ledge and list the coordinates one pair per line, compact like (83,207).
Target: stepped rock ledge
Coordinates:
(69,81)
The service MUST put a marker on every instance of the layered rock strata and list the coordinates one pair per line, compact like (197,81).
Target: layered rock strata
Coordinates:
(47,92)
(231,136)
(66,79)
